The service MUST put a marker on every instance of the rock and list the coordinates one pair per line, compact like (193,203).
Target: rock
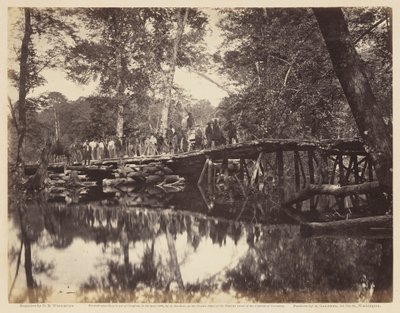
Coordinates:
(135,174)
(167,170)
(171,179)
(153,179)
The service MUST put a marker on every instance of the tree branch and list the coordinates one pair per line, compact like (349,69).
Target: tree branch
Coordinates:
(369,30)
(211,80)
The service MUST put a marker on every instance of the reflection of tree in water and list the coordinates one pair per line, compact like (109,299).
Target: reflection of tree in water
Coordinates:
(279,265)
(30,229)
(283,267)
(153,277)
(121,279)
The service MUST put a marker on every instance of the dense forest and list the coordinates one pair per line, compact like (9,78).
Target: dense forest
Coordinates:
(276,65)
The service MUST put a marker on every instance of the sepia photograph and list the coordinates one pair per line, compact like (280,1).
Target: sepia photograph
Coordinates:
(188,154)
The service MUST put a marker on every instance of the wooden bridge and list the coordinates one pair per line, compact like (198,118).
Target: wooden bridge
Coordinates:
(289,163)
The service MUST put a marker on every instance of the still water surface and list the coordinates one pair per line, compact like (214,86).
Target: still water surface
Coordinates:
(156,246)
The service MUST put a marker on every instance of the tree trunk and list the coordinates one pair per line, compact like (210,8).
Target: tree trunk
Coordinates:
(356,87)
(174,259)
(120,98)
(354,225)
(333,190)
(23,80)
(36,182)
(168,95)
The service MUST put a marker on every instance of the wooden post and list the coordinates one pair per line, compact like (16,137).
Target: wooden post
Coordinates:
(303,174)
(279,165)
(297,176)
(355,168)
(296,170)
(332,180)
(241,170)
(311,172)
(324,168)
(246,170)
(348,172)
(364,168)
(342,180)
(210,176)
(370,169)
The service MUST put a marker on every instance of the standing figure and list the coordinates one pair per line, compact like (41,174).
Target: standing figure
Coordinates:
(198,138)
(151,147)
(86,152)
(178,140)
(100,150)
(118,147)
(130,147)
(169,135)
(190,121)
(231,132)
(137,145)
(93,146)
(111,148)
(209,134)
(160,144)
(218,136)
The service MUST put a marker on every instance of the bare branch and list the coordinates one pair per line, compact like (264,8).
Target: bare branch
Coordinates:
(211,80)
(369,30)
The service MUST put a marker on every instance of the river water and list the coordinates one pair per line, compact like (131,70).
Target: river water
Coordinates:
(156,245)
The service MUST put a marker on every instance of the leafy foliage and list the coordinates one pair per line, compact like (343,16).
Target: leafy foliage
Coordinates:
(285,85)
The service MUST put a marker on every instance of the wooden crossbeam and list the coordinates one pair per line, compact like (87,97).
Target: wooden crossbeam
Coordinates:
(203,171)
(257,169)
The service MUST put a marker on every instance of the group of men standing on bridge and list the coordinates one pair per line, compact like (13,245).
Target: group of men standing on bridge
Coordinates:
(189,137)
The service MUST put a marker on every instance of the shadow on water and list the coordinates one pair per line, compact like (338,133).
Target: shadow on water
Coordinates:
(155,245)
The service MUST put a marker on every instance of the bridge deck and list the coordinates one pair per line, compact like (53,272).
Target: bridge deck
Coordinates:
(249,150)
(191,162)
